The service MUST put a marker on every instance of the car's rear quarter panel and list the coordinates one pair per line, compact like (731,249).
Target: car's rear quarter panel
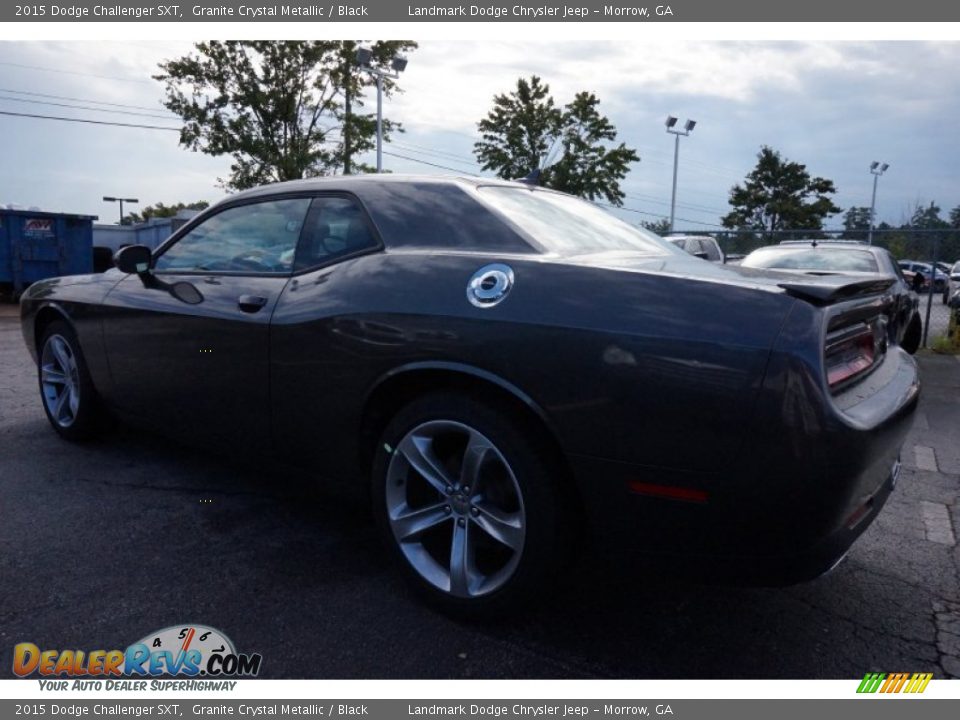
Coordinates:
(639,368)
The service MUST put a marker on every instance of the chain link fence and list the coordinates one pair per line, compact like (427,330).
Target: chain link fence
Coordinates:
(938,248)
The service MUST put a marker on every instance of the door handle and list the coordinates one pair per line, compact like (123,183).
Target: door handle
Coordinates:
(251,303)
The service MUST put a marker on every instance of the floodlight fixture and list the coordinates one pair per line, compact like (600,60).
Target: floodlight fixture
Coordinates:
(397,65)
(876,169)
(688,127)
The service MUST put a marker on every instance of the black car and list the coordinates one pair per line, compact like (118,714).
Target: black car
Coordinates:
(510,371)
(856,259)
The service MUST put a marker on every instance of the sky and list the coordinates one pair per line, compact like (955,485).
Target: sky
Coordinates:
(833,106)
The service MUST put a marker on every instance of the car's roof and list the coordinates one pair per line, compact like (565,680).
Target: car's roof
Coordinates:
(822,245)
(345,182)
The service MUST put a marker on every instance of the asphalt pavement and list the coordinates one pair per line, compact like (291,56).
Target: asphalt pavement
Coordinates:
(101,544)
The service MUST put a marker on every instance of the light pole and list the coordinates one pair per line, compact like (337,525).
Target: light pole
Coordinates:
(397,66)
(876,169)
(107,198)
(687,129)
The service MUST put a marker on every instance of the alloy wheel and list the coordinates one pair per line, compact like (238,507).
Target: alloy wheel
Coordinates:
(60,380)
(455,508)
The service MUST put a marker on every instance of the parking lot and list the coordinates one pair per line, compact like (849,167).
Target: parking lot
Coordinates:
(101,544)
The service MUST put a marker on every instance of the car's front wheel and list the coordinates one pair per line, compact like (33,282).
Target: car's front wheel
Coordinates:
(69,397)
(471,503)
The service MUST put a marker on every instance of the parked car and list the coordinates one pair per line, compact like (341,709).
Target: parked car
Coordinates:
(834,257)
(954,279)
(933,277)
(704,247)
(509,372)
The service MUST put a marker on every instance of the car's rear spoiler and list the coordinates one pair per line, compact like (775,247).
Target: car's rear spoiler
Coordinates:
(829,289)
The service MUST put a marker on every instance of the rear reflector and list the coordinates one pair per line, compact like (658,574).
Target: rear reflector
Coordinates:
(670,492)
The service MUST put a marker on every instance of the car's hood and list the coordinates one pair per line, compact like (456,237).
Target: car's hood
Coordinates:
(818,289)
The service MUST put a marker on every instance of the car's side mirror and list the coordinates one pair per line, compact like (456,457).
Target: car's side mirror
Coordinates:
(701,255)
(133,259)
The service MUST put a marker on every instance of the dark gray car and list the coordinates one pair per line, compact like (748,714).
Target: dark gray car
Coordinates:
(509,372)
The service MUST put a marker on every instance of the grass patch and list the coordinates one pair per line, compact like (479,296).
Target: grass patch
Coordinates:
(949,344)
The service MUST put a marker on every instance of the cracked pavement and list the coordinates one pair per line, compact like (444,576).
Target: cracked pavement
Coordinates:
(101,544)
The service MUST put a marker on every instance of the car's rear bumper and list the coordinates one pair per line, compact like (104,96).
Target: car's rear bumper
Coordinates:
(786,514)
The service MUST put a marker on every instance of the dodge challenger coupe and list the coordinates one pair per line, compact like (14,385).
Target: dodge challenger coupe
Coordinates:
(509,370)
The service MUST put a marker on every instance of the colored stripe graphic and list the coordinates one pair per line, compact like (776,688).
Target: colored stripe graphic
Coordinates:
(870,683)
(894,682)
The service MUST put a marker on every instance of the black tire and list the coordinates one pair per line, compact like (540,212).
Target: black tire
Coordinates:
(545,501)
(913,335)
(87,420)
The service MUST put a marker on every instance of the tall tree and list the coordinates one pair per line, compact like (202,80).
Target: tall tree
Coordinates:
(780,195)
(277,108)
(573,147)
(159,210)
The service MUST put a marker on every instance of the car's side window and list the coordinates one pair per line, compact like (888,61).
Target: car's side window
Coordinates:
(335,227)
(259,237)
(712,249)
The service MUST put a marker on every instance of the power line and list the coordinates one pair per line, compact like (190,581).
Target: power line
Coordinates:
(451,155)
(89,122)
(84,107)
(441,157)
(656,215)
(424,162)
(86,100)
(74,72)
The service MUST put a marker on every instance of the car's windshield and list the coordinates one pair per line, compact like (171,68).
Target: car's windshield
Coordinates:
(812,259)
(568,226)
(956,268)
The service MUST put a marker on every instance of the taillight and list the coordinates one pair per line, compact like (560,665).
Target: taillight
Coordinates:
(853,351)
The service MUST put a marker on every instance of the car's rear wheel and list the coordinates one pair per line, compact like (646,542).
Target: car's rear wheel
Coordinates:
(913,335)
(471,504)
(69,397)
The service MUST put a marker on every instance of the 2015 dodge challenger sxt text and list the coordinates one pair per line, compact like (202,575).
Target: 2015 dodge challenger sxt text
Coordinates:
(512,370)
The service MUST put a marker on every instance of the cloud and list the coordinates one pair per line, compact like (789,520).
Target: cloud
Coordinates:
(834,106)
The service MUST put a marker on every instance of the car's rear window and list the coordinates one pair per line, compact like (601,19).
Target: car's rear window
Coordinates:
(567,226)
(831,259)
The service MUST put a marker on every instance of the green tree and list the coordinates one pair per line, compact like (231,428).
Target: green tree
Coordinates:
(780,195)
(277,108)
(159,210)
(927,217)
(573,147)
(660,227)
(856,223)
(955,217)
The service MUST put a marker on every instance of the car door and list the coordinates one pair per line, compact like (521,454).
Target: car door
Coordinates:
(322,348)
(188,344)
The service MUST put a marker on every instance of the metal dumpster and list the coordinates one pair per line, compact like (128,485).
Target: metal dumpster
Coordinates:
(35,245)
